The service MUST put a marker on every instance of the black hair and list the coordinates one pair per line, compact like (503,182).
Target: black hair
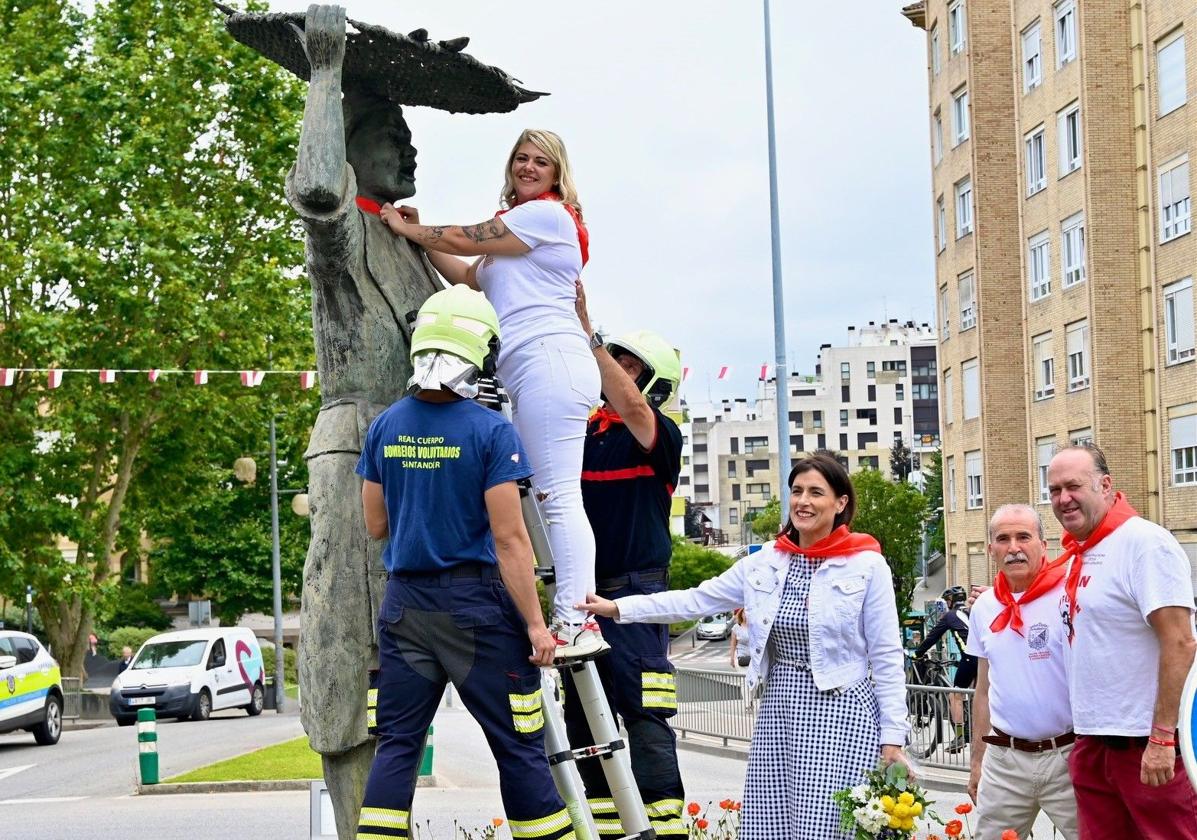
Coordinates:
(833,472)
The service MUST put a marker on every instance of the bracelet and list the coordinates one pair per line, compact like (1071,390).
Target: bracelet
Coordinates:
(1160,742)
(1169,730)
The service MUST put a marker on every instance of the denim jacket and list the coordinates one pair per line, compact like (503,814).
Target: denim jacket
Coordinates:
(853,622)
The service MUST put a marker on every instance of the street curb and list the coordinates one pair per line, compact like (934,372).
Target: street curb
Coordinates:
(265,785)
(712,749)
(81,725)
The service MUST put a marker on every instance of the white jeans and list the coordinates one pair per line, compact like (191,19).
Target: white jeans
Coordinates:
(1015,785)
(554,382)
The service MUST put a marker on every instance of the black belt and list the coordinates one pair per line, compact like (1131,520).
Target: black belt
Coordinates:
(462,571)
(647,576)
(1001,739)
(1126,742)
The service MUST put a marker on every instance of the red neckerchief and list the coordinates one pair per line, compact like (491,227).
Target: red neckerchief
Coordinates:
(839,542)
(1044,582)
(368,205)
(606,417)
(583,234)
(1074,551)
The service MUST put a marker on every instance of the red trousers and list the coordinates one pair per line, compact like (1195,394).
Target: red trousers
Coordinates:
(1112,804)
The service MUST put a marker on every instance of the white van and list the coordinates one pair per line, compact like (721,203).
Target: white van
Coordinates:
(190,674)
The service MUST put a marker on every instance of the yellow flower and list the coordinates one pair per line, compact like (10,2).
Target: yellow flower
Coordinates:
(894,822)
(916,810)
(901,810)
(906,797)
(907,824)
(887,803)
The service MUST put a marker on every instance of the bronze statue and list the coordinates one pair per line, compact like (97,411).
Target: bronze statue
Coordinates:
(355,154)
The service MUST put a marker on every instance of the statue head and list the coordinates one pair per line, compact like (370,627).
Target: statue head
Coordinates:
(378,146)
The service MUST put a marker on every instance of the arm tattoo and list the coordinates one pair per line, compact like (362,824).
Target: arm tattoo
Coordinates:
(486,231)
(435,233)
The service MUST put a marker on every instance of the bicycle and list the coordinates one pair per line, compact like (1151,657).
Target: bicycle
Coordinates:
(928,710)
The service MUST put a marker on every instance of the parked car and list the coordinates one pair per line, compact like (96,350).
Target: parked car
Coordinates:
(190,674)
(716,626)
(30,688)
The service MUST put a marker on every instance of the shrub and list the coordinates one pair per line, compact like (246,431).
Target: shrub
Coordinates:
(290,673)
(134,637)
(692,564)
(130,605)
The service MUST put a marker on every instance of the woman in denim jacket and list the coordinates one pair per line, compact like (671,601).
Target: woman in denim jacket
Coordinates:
(824,642)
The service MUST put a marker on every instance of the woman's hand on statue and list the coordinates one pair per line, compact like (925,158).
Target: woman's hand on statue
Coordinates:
(409,214)
(323,37)
(599,606)
(392,217)
(891,754)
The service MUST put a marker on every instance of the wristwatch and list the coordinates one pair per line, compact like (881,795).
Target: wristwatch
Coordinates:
(597,340)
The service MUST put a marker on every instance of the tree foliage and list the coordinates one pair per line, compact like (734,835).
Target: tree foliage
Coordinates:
(767,522)
(933,490)
(692,564)
(143,227)
(894,514)
(899,460)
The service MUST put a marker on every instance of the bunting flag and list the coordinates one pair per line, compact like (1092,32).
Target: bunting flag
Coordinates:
(307,379)
(764,372)
(7,375)
(53,378)
(724,372)
(107,376)
(251,378)
(154,374)
(685,373)
(201,377)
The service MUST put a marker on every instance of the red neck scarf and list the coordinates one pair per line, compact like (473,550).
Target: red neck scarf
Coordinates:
(839,542)
(1075,551)
(1049,575)
(606,417)
(369,205)
(583,234)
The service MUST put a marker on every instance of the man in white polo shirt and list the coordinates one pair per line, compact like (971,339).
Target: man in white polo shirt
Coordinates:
(1015,632)
(1128,604)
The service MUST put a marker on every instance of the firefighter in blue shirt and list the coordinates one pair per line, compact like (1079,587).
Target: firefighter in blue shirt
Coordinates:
(630,467)
(439,484)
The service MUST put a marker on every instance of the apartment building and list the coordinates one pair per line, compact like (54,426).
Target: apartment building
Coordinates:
(1059,135)
(880,387)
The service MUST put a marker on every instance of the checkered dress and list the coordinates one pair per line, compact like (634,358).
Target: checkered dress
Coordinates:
(808,743)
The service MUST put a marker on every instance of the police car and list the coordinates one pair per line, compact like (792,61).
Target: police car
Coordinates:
(30,688)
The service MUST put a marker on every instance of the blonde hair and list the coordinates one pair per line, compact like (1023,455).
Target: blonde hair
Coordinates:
(552,147)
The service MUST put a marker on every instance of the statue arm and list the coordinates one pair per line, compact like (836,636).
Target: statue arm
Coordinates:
(321,172)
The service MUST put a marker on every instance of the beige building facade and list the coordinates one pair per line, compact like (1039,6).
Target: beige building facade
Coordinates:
(1060,136)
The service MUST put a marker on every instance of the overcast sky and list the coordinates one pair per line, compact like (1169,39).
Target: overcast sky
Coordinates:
(662,108)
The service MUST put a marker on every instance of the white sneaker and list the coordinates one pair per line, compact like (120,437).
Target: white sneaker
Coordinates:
(578,641)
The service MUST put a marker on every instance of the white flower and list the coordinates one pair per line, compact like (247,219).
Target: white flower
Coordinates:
(860,793)
(867,819)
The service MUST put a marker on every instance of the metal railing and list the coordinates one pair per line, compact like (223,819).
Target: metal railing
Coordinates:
(711,703)
(72,703)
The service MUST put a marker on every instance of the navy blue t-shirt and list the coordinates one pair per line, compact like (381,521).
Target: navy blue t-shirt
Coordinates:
(434,462)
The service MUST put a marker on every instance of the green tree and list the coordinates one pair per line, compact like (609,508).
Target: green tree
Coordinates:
(143,227)
(933,490)
(894,514)
(767,522)
(692,564)
(899,460)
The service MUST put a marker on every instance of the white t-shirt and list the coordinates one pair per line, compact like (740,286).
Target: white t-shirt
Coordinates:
(1028,683)
(1114,657)
(534,293)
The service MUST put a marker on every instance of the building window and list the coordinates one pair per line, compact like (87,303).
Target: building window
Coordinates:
(797,443)
(970,374)
(949,399)
(937,138)
(821,442)
(1068,123)
(964,206)
(972,480)
(1032,57)
(1072,250)
(1170,72)
(733,515)
(869,415)
(1175,210)
(871,370)
(845,393)
(941,224)
(1039,265)
(1076,341)
(843,417)
(951,488)
(757,489)
(945,313)
(1045,365)
(1182,438)
(897,417)
(867,462)
(845,371)
(871,393)
(956,25)
(1035,161)
(899,391)
(935,50)
(1080,437)
(1045,449)
(843,440)
(1065,32)
(925,391)
(1178,320)
(756,444)
(817,423)
(897,366)
(968,301)
(731,469)
(959,117)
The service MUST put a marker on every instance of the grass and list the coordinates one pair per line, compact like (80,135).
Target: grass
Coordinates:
(289,760)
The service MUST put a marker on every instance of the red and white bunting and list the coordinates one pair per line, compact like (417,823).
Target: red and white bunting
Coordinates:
(107,376)
(154,374)
(252,378)
(764,372)
(53,378)
(201,377)
(307,379)
(724,372)
(685,373)
(7,375)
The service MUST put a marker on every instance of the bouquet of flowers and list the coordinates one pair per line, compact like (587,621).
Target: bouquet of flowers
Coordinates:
(886,806)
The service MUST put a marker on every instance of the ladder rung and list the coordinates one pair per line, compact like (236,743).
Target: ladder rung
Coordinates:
(558,757)
(600,750)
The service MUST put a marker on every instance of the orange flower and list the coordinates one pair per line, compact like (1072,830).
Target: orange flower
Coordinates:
(953,828)
(726,804)
(735,806)
(1009,834)
(702,824)
(496,821)
(932,837)
(693,808)
(964,807)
